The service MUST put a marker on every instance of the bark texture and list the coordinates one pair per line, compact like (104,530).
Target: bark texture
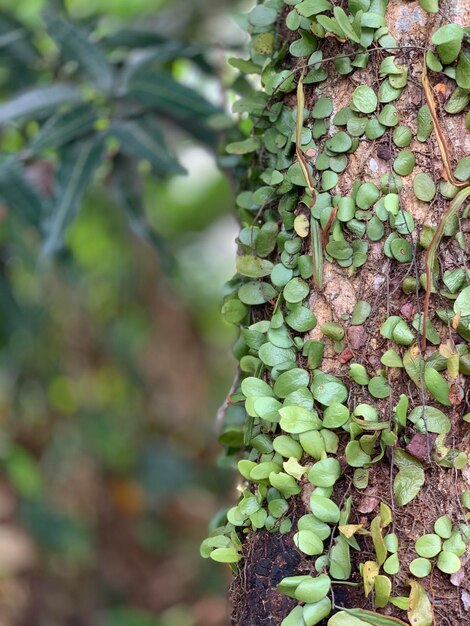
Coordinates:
(270,557)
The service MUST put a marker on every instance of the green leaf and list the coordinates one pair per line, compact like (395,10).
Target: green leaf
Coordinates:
(420,567)
(324,509)
(308,542)
(157,89)
(65,127)
(296,290)
(262,16)
(295,617)
(335,415)
(434,420)
(367,194)
(17,192)
(359,374)
(301,319)
(313,590)
(462,304)
(443,526)
(391,358)
(428,545)
(402,250)
(402,136)
(315,613)
(325,473)
(355,455)
(254,293)
(243,147)
(307,8)
(291,381)
(361,312)
(297,419)
(424,187)
(361,617)
(437,386)
(448,562)
(346,27)
(225,555)
(340,142)
(404,162)
(430,6)
(252,266)
(327,389)
(39,102)
(462,171)
(255,387)
(407,484)
(284,483)
(144,139)
(364,99)
(75,45)
(462,72)
(78,163)
(304,46)
(379,387)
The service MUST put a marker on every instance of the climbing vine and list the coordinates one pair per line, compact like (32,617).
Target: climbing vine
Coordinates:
(307,434)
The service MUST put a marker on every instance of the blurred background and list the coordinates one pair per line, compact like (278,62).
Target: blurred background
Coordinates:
(113,354)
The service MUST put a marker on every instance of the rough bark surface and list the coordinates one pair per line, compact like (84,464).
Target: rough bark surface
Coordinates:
(270,557)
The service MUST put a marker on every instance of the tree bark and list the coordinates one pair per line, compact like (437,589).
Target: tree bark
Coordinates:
(268,556)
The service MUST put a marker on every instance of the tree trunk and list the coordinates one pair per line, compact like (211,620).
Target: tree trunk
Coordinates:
(270,555)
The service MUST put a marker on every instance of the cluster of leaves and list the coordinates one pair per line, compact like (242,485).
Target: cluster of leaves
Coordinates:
(287,412)
(100,117)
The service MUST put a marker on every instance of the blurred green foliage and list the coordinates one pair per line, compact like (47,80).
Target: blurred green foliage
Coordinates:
(113,355)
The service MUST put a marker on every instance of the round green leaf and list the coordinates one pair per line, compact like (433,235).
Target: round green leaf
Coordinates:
(448,562)
(323,108)
(364,99)
(327,389)
(402,136)
(271,355)
(424,187)
(295,290)
(360,312)
(379,387)
(291,381)
(389,115)
(287,447)
(462,304)
(443,526)
(355,455)
(367,194)
(308,543)
(325,473)
(301,319)
(254,293)
(340,250)
(402,250)
(420,567)
(335,415)
(341,142)
(313,589)
(404,163)
(324,509)
(428,545)
(297,419)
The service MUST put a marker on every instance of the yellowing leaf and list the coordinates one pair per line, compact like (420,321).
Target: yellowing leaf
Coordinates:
(348,530)
(420,609)
(301,225)
(370,570)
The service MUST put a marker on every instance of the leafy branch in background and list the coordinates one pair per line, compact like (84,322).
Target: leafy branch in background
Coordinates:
(91,109)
